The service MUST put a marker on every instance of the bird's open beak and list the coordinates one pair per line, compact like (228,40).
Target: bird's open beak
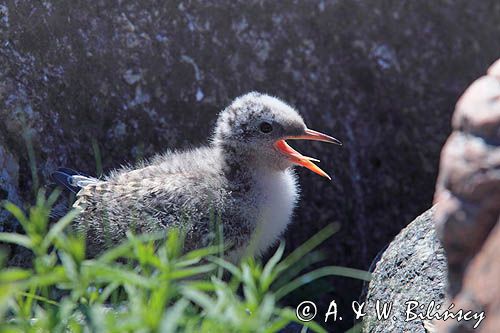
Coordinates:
(300,159)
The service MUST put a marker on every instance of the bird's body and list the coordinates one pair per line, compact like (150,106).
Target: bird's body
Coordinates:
(236,179)
(167,192)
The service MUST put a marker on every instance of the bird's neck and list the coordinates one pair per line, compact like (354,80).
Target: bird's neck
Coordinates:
(240,169)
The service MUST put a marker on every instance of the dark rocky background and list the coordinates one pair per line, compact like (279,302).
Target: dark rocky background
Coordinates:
(135,77)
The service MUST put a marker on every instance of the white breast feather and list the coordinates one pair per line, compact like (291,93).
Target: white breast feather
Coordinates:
(279,196)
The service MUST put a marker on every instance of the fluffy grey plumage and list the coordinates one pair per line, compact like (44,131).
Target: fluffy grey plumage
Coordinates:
(240,176)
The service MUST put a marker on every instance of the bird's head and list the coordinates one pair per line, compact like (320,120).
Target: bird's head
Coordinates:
(257,126)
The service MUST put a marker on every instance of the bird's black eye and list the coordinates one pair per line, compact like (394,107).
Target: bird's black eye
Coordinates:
(265,127)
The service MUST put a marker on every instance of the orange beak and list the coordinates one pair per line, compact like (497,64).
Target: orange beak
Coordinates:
(300,159)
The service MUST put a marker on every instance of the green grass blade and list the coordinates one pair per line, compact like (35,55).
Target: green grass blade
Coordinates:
(58,228)
(13,274)
(198,297)
(109,273)
(322,272)
(234,270)
(18,214)
(189,272)
(307,247)
(56,275)
(267,277)
(17,239)
(292,272)
(173,315)
(38,298)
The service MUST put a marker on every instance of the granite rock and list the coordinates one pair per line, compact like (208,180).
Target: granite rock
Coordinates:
(413,268)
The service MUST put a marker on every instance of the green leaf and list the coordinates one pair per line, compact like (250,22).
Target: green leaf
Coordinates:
(307,247)
(11,328)
(108,274)
(249,287)
(173,316)
(18,214)
(198,297)
(51,200)
(69,266)
(38,298)
(200,285)
(200,253)
(58,228)
(18,239)
(13,274)
(189,272)
(56,275)
(319,273)
(107,292)
(307,261)
(235,271)
(74,245)
(123,250)
(267,277)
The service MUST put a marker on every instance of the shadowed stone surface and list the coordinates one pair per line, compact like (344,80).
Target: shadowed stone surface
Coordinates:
(468,217)
(413,268)
(9,177)
(136,77)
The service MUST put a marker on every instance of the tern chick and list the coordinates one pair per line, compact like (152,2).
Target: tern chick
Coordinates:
(243,178)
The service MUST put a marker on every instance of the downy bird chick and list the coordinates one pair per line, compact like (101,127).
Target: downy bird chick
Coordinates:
(243,178)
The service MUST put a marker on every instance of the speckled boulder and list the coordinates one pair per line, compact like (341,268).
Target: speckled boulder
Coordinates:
(413,268)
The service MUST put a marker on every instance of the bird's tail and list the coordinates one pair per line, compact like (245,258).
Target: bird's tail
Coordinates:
(71,179)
